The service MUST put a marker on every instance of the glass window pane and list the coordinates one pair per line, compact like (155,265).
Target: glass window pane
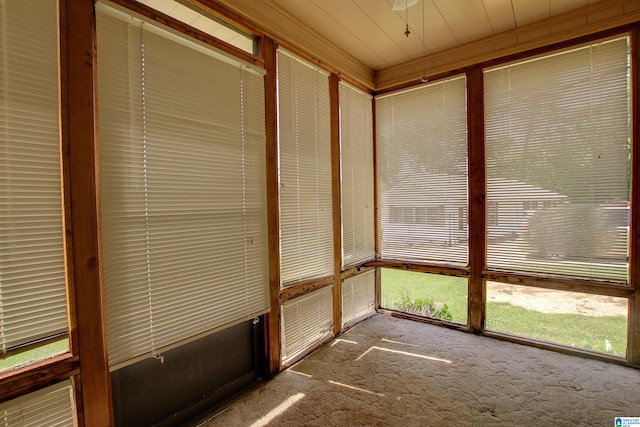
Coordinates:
(591,322)
(34,354)
(422,173)
(558,163)
(424,294)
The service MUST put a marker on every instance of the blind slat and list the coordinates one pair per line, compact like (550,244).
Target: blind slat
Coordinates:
(182,189)
(358,297)
(422,173)
(50,406)
(356,155)
(306,224)
(32,272)
(558,163)
(306,322)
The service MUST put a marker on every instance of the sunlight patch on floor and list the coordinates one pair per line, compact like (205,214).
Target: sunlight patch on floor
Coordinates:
(355,388)
(278,410)
(300,373)
(338,340)
(401,343)
(405,353)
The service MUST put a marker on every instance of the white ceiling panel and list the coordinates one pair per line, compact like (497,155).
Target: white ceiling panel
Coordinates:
(467,24)
(372,32)
(500,15)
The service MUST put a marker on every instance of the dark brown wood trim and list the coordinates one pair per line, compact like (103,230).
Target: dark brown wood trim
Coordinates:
(418,82)
(376,213)
(545,345)
(354,271)
(634,331)
(268,52)
(423,319)
(303,288)
(510,58)
(66,186)
(378,289)
(336,203)
(556,47)
(477,194)
(347,79)
(561,283)
(80,156)
(421,268)
(634,229)
(188,30)
(14,383)
(302,54)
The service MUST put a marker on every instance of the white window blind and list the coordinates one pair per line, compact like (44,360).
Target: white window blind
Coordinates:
(182,186)
(306,322)
(558,163)
(422,173)
(52,406)
(32,272)
(358,297)
(356,155)
(304,138)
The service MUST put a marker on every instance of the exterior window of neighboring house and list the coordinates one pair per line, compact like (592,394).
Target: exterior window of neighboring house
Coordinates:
(492,213)
(462,217)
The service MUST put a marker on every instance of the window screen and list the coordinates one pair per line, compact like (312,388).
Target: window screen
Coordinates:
(358,297)
(422,173)
(356,156)
(558,163)
(183,182)
(32,266)
(51,406)
(306,322)
(304,138)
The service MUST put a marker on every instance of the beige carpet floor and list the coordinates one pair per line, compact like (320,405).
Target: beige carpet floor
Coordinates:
(393,372)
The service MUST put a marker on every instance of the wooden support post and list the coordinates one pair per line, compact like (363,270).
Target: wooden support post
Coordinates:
(334,102)
(376,212)
(79,137)
(634,229)
(273,338)
(477,236)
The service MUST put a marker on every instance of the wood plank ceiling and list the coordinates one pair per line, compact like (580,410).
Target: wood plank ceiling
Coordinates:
(372,32)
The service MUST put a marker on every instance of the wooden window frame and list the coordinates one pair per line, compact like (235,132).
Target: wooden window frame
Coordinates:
(478,217)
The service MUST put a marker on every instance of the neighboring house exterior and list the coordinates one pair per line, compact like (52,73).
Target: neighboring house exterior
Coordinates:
(432,208)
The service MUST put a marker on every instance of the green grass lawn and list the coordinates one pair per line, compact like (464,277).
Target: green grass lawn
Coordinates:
(588,332)
(452,291)
(34,354)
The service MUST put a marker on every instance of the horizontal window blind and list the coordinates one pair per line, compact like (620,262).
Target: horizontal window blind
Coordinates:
(50,406)
(558,163)
(422,173)
(306,322)
(358,297)
(304,138)
(356,155)
(182,163)
(32,267)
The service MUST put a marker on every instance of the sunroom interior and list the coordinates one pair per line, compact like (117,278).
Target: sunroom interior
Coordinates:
(197,194)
